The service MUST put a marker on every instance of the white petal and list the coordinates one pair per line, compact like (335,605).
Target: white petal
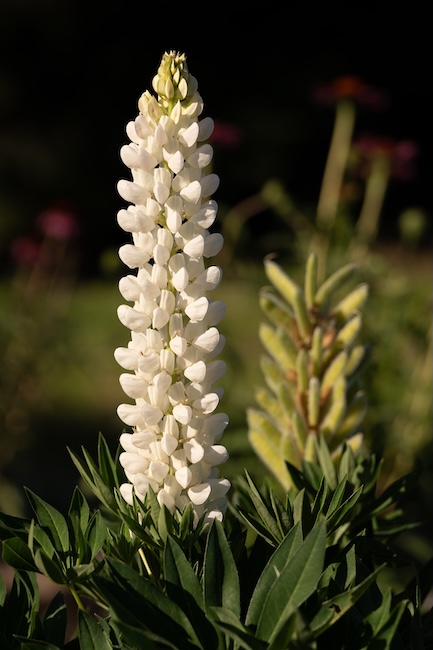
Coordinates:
(161,192)
(165,499)
(133,256)
(132,318)
(194,451)
(178,345)
(201,157)
(182,413)
(133,462)
(192,192)
(207,341)
(197,310)
(126,490)
(131,415)
(160,254)
(207,403)
(132,385)
(195,247)
(219,486)
(169,444)
(215,455)
(209,184)
(196,372)
(199,493)
(215,313)
(158,470)
(151,414)
(126,442)
(183,476)
(176,162)
(206,216)
(189,136)
(142,439)
(127,358)
(206,126)
(160,318)
(180,279)
(132,192)
(130,288)
(213,244)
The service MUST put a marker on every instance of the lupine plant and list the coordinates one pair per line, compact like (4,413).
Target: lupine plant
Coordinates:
(156,551)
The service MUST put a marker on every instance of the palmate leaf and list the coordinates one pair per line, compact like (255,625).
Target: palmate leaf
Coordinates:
(220,575)
(296,582)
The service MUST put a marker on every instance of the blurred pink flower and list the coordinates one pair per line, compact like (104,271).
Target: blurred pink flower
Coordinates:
(226,135)
(25,250)
(58,223)
(402,154)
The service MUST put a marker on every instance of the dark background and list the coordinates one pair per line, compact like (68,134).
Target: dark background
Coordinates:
(71,74)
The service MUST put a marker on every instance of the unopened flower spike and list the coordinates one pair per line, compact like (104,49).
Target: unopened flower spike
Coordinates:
(170,360)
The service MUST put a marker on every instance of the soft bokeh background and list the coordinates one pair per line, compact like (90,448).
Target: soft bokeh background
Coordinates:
(70,77)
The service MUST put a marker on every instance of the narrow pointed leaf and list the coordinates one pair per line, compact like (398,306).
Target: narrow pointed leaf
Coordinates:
(220,575)
(234,629)
(294,585)
(272,570)
(17,554)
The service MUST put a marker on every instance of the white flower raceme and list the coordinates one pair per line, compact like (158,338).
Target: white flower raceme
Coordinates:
(173,447)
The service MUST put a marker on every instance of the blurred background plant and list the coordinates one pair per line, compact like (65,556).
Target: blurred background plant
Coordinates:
(316,158)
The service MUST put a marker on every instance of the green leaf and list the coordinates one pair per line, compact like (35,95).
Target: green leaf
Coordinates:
(52,568)
(32,644)
(220,575)
(134,600)
(52,520)
(55,620)
(296,582)
(339,515)
(90,633)
(96,533)
(340,604)
(234,629)
(17,554)
(140,637)
(302,512)
(262,510)
(108,468)
(183,587)
(270,573)
(386,635)
(79,508)
(3,591)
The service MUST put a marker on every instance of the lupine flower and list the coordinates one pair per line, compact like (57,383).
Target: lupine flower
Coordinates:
(173,448)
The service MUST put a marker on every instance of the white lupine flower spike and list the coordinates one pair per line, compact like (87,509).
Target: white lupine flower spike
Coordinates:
(170,358)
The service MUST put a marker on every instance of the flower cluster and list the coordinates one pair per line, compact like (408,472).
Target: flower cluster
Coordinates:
(173,446)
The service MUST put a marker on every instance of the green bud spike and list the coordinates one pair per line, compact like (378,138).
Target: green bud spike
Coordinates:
(276,310)
(271,372)
(331,422)
(300,429)
(334,370)
(313,402)
(340,388)
(310,286)
(353,302)
(316,350)
(353,417)
(289,450)
(355,359)
(271,405)
(281,281)
(302,370)
(349,332)
(286,398)
(291,292)
(332,284)
(279,346)
(310,447)
(266,442)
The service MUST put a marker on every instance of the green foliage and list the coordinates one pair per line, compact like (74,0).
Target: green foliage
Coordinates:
(294,572)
